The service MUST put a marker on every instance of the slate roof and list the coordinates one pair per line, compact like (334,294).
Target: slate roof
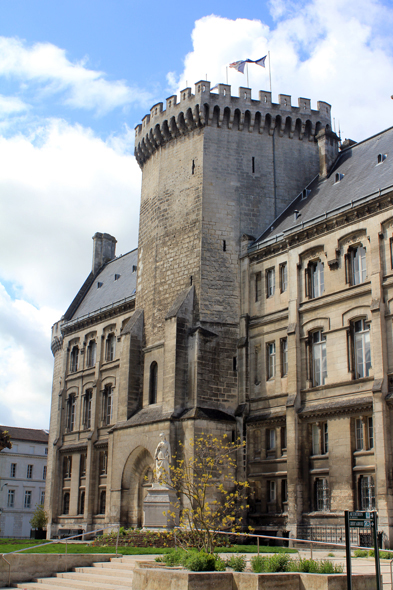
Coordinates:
(111,291)
(28,434)
(363,176)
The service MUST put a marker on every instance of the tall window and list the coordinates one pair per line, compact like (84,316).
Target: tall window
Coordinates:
(355,265)
(316,279)
(271,491)
(284,491)
(370,426)
(42,498)
(258,286)
(271,439)
(284,357)
(283,277)
(82,465)
(325,438)
(362,350)
(107,405)
(271,360)
(71,412)
(81,503)
(256,366)
(359,434)
(66,503)
(153,383)
(322,494)
(44,472)
(87,403)
(11,498)
(67,467)
(74,359)
(270,282)
(27,503)
(110,347)
(283,440)
(366,492)
(319,365)
(91,353)
(102,502)
(29,474)
(103,461)
(315,439)
(13,470)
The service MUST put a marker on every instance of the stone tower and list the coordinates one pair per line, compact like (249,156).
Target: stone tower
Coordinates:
(217,170)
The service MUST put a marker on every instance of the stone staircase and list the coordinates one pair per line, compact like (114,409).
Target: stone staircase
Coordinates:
(113,575)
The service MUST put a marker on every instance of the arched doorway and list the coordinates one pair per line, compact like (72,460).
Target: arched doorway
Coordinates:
(137,478)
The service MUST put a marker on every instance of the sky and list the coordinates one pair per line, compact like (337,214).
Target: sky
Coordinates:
(77,76)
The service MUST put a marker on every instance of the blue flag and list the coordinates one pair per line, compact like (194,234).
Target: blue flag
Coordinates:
(239,65)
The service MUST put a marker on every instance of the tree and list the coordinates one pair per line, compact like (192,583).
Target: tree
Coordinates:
(5,440)
(40,518)
(204,477)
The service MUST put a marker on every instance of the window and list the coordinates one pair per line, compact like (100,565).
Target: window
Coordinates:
(91,353)
(13,470)
(381,158)
(256,366)
(319,438)
(110,347)
(82,465)
(11,498)
(271,360)
(86,412)
(370,429)
(325,438)
(355,265)
(315,285)
(81,503)
(271,491)
(362,351)
(322,494)
(27,503)
(67,467)
(66,503)
(74,359)
(153,383)
(46,450)
(284,491)
(283,440)
(42,498)
(366,492)
(44,472)
(283,277)
(71,413)
(319,365)
(359,434)
(102,502)
(315,439)
(284,357)
(271,439)
(107,405)
(103,460)
(258,286)
(270,282)
(338,177)
(29,474)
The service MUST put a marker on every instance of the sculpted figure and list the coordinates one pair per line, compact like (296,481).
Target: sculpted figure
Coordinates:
(163,458)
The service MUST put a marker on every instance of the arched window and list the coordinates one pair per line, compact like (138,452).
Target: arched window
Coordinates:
(153,383)
(81,507)
(315,284)
(110,347)
(91,353)
(355,265)
(102,502)
(87,403)
(361,348)
(107,405)
(74,359)
(71,412)
(66,503)
(318,358)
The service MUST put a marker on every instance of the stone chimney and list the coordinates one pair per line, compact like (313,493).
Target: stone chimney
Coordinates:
(104,250)
(328,150)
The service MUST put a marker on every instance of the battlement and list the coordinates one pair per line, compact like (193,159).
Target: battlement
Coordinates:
(222,109)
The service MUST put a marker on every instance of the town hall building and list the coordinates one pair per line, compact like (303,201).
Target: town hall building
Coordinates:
(257,305)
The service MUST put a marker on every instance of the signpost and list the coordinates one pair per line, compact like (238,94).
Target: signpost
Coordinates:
(364,520)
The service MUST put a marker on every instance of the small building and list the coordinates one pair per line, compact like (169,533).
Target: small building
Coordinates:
(22,479)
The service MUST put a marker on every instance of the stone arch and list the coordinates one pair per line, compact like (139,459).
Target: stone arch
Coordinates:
(227,116)
(216,116)
(134,486)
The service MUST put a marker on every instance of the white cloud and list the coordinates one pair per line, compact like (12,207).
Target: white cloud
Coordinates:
(47,65)
(11,104)
(339,52)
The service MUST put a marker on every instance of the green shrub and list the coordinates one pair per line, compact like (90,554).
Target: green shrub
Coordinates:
(330,554)
(175,557)
(311,566)
(220,565)
(360,553)
(274,563)
(237,563)
(200,561)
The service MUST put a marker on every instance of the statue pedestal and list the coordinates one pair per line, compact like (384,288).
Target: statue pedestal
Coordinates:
(160,499)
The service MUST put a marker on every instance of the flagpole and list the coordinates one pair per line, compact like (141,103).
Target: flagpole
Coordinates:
(270,73)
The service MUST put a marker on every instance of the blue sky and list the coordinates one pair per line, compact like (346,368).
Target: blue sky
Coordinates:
(75,79)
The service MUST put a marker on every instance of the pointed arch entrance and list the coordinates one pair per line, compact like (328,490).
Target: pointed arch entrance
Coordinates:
(137,478)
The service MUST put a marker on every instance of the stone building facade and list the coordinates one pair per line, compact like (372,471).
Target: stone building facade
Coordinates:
(214,326)
(23,471)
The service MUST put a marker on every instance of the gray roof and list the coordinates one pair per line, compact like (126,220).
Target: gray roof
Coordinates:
(362,177)
(27,434)
(111,291)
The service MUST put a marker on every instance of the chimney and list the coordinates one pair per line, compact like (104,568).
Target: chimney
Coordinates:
(328,150)
(104,250)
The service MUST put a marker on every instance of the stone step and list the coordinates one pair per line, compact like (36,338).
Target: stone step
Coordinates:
(114,571)
(63,583)
(114,565)
(36,586)
(94,576)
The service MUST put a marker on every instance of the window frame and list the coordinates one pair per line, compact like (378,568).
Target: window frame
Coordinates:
(361,343)
(87,407)
(322,495)
(366,486)
(258,287)
(74,358)
(318,357)
(29,472)
(153,383)
(13,470)
(11,498)
(71,406)
(27,499)
(110,347)
(270,360)
(91,357)
(315,279)
(270,282)
(284,356)
(272,491)
(283,270)
(107,404)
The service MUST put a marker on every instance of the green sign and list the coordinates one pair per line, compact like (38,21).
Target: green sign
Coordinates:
(362,524)
(360,514)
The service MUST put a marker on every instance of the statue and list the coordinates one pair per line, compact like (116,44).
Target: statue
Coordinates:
(163,458)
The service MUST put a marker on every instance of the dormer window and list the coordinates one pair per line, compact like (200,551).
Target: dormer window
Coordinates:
(305,193)
(381,158)
(338,177)
(117,277)
(99,285)
(133,268)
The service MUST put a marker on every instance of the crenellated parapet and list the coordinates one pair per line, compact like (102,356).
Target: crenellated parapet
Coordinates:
(57,337)
(221,109)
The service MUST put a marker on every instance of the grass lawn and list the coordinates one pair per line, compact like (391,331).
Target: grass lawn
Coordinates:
(9,545)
